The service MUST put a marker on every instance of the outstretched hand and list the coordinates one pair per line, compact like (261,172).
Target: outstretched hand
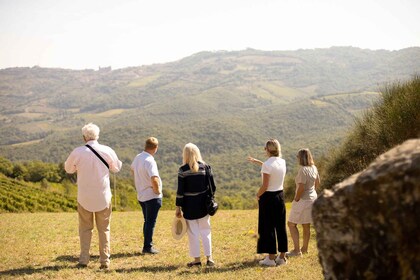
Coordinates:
(250,159)
(254,160)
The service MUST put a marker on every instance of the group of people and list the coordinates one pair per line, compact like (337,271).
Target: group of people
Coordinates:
(93,162)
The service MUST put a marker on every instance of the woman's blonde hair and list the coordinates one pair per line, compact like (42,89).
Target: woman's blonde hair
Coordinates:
(191,155)
(273,148)
(305,157)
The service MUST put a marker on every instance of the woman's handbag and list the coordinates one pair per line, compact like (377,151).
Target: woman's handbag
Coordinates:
(211,203)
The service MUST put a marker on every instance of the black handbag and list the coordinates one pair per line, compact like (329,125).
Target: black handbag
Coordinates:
(211,203)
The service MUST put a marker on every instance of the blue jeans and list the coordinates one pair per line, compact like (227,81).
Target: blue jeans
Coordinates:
(150,211)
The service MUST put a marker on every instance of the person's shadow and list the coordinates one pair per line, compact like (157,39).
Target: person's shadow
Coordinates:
(70,261)
(230,267)
(30,270)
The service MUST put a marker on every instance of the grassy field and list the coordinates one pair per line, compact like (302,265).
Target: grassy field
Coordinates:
(46,246)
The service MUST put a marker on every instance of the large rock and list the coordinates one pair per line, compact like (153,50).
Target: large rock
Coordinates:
(368,226)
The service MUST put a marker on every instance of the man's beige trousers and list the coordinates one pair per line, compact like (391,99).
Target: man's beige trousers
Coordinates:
(103,224)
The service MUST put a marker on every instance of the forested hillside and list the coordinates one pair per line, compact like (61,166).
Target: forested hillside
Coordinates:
(228,103)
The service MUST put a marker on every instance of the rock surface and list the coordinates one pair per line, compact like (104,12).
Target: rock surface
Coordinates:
(368,225)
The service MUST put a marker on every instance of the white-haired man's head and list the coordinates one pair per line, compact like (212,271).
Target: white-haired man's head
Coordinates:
(90,132)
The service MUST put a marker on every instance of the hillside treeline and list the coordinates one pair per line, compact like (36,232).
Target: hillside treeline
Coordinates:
(33,171)
(392,120)
(36,186)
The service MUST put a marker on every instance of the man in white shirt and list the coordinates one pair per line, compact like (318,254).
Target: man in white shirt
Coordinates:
(93,192)
(149,190)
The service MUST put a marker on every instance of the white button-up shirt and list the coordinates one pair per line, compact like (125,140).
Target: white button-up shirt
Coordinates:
(93,188)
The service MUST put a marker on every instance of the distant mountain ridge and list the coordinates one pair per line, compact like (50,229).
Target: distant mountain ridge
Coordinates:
(228,103)
(319,71)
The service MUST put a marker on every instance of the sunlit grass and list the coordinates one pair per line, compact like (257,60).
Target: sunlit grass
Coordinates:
(46,245)
(320,103)
(103,115)
(143,81)
(27,143)
(111,113)
(345,95)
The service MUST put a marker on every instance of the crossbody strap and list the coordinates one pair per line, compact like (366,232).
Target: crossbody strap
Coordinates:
(208,177)
(98,155)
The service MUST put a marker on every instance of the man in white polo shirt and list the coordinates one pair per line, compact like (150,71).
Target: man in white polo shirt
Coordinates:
(92,163)
(149,190)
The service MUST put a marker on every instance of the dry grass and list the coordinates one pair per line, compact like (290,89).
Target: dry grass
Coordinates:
(26,143)
(111,113)
(144,81)
(46,245)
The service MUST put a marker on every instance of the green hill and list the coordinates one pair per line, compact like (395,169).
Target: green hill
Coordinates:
(228,103)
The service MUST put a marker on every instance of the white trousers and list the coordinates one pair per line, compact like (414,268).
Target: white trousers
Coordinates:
(196,229)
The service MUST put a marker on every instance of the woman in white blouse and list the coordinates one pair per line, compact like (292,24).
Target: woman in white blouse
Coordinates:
(307,181)
(271,208)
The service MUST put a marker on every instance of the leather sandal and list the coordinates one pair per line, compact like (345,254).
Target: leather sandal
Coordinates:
(191,264)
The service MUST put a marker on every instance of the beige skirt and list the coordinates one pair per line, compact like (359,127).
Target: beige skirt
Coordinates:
(301,212)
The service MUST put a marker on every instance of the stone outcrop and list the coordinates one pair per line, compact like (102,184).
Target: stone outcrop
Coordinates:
(368,226)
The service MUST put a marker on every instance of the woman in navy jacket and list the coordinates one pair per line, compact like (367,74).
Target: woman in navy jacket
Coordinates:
(193,187)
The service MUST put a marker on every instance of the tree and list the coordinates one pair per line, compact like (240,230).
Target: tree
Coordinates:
(19,171)
(6,167)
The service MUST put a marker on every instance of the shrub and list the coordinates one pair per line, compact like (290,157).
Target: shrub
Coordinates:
(392,120)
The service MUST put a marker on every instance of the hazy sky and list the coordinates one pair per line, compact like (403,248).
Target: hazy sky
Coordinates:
(79,34)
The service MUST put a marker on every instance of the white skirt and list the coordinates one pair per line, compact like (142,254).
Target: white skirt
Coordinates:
(301,212)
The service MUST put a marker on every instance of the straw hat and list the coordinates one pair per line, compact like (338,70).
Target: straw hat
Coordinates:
(179,227)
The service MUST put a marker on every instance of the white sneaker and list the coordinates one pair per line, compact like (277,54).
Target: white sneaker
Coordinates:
(281,261)
(267,262)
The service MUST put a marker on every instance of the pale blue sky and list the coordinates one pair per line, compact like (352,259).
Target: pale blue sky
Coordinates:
(79,34)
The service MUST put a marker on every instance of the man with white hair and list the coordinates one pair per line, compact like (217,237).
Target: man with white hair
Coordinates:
(93,162)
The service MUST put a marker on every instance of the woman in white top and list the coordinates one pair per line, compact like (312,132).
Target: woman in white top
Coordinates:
(307,181)
(271,208)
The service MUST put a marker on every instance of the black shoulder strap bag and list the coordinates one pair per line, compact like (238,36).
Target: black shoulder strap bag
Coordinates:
(211,203)
(98,155)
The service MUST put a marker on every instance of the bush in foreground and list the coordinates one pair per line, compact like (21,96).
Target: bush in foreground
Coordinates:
(391,121)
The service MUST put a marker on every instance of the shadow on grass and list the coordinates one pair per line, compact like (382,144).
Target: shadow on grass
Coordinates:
(31,270)
(231,267)
(192,271)
(155,269)
(73,258)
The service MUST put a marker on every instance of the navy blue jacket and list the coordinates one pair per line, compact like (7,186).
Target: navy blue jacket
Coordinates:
(193,190)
